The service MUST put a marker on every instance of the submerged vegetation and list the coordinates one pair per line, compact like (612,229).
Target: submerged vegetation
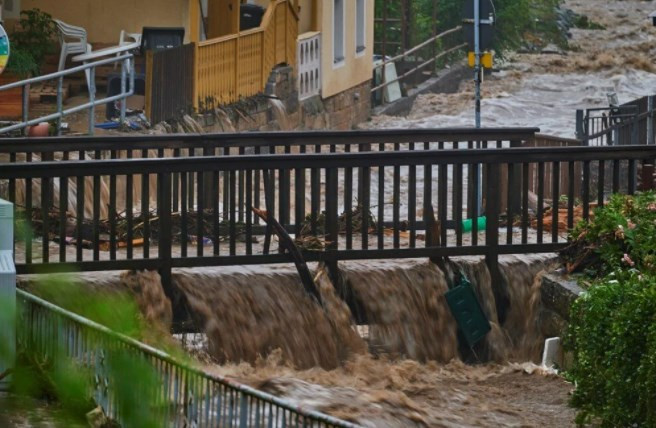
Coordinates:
(612,335)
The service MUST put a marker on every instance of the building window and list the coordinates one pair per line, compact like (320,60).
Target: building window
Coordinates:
(360,24)
(338,31)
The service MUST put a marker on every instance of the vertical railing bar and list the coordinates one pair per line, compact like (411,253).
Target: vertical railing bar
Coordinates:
(129,210)
(540,213)
(442,198)
(200,213)
(586,190)
(80,183)
(63,209)
(509,203)
(183,213)
(145,209)
(632,172)
(473,183)
(96,216)
(570,194)
(216,234)
(348,202)
(381,202)
(616,175)
(45,218)
(555,196)
(112,212)
(458,200)
(233,213)
(601,183)
(176,185)
(396,201)
(525,168)
(412,200)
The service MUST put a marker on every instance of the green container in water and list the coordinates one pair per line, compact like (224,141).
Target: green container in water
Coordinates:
(467,311)
(467,224)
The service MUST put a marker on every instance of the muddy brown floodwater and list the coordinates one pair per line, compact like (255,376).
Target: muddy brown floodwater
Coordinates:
(544,90)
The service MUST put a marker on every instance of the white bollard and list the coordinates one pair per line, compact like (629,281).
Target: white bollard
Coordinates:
(7,292)
(552,353)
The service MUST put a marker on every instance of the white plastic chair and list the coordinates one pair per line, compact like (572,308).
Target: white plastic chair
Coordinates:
(73,41)
(124,39)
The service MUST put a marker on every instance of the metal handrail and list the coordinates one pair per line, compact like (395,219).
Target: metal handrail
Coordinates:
(127,71)
(263,139)
(252,397)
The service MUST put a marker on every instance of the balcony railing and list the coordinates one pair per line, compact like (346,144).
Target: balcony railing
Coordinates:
(309,65)
(238,65)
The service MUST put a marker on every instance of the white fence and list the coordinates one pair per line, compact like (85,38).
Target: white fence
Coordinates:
(309,65)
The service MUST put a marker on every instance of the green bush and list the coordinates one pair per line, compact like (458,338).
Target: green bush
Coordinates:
(612,336)
(612,333)
(31,42)
(621,235)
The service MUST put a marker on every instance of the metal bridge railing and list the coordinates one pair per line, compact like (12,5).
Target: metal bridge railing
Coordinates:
(627,124)
(127,73)
(184,395)
(359,205)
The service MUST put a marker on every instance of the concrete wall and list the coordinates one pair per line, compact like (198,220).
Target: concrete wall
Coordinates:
(104,19)
(356,68)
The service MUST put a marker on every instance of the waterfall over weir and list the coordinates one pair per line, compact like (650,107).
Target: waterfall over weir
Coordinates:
(248,313)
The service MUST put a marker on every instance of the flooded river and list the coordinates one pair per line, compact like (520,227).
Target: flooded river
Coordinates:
(544,90)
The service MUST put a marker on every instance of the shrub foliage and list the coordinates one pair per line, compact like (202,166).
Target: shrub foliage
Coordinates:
(612,333)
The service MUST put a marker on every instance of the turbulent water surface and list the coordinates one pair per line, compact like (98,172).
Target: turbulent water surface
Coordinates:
(545,90)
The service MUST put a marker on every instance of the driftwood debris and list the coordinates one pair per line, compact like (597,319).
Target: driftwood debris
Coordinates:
(287,243)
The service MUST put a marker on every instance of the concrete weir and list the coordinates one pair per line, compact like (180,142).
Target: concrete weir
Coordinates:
(398,306)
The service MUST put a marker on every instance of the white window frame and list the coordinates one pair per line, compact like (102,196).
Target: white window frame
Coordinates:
(341,60)
(360,49)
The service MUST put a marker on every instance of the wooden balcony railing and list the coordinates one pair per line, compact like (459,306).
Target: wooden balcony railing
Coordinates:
(238,65)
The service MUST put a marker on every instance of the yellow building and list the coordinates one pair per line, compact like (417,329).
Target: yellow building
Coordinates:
(328,42)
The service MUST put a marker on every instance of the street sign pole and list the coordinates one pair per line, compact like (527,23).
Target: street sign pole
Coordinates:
(477,80)
(477,59)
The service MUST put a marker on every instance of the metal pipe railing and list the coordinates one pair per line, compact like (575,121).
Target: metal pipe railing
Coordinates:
(204,399)
(127,71)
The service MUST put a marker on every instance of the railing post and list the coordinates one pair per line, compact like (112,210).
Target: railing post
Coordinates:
(164,239)
(580,129)
(331,226)
(514,185)
(492,239)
